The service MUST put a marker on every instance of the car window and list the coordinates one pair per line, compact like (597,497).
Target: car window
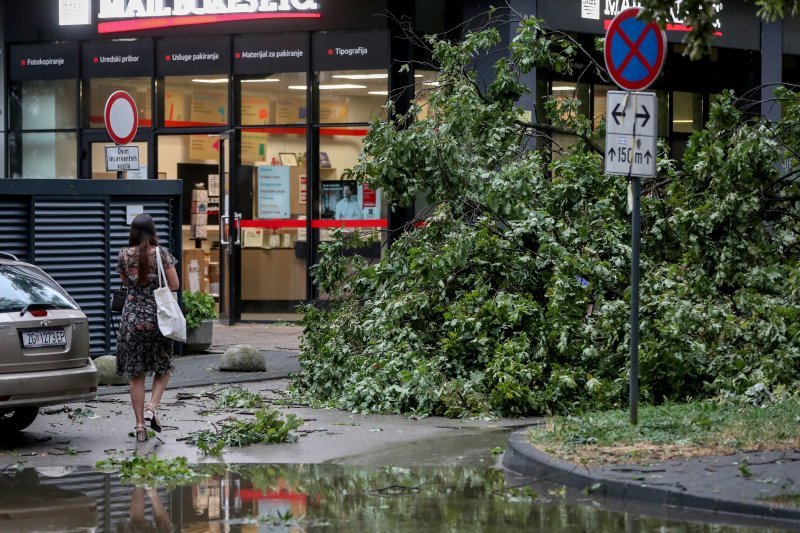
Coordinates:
(21,285)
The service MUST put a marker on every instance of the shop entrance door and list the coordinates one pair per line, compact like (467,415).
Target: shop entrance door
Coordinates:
(230,235)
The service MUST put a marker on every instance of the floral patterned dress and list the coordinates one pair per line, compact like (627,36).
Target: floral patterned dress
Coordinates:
(141,348)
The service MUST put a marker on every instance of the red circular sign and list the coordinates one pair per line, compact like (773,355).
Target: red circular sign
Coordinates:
(122,117)
(634,50)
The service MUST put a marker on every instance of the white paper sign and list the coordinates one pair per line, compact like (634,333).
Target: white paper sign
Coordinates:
(132,211)
(124,157)
(74,12)
(274,192)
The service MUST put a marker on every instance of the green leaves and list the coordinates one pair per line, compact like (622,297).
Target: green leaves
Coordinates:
(198,307)
(150,470)
(511,297)
(267,427)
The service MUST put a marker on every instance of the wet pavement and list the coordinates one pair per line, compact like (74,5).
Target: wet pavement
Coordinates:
(64,436)
(351,472)
(300,498)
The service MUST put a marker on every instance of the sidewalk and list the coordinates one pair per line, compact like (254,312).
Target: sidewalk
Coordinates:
(278,344)
(711,484)
(753,484)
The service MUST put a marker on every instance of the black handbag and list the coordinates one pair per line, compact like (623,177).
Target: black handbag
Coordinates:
(118,298)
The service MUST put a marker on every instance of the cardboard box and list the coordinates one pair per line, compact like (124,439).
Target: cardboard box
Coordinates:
(199,220)
(198,232)
(194,271)
(200,195)
(252,237)
(213,272)
(199,208)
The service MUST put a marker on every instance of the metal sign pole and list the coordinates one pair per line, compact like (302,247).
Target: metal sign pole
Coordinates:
(636,239)
(634,53)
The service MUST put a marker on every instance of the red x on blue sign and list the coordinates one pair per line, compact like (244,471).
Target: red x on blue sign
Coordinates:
(634,50)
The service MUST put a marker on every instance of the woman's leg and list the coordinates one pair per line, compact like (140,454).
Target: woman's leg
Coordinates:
(159,386)
(137,398)
(137,506)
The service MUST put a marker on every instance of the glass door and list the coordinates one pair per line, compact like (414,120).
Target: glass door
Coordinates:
(230,236)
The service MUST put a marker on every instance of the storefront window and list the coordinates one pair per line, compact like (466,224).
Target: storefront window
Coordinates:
(43,155)
(425,81)
(599,99)
(272,197)
(687,115)
(100,89)
(44,105)
(351,95)
(662,101)
(345,203)
(272,99)
(195,101)
(568,92)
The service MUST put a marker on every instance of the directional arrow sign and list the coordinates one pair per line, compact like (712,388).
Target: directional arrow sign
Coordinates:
(631,133)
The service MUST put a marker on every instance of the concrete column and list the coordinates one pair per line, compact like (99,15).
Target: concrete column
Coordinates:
(402,91)
(771,67)
(528,8)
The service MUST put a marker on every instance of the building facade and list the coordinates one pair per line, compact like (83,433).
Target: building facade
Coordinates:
(258,107)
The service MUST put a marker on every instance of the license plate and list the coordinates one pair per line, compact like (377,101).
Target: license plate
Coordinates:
(37,338)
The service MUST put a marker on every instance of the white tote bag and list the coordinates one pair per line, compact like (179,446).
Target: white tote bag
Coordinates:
(171,321)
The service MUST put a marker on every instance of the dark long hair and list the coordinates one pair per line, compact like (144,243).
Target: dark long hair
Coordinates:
(143,236)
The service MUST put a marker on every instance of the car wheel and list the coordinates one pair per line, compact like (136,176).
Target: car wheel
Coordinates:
(15,420)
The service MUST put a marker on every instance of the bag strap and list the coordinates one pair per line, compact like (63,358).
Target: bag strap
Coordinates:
(162,277)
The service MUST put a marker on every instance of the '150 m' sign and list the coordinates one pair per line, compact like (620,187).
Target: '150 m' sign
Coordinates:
(128,9)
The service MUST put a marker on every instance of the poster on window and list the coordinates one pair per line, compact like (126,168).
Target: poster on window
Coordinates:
(340,200)
(370,202)
(254,146)
(290,112)
(255,110)
(203,148)
(274,192)
(174,108)
(209,108)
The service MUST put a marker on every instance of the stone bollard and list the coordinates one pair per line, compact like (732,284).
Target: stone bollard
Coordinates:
(242,358)
(107,371)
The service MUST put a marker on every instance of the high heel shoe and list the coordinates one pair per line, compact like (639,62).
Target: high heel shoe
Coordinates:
(141,433)
(151,416)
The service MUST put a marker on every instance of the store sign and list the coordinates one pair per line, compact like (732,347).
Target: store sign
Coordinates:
(117,59)
(258,54)
(151,14)
(193,56)
(590,9)
(341,50)
(111,9)
(43,61)
(737,25)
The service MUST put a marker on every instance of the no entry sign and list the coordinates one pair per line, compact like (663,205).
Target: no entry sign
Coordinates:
(122,117)
(634,50)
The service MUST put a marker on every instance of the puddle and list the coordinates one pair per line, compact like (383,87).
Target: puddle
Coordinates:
(297,498)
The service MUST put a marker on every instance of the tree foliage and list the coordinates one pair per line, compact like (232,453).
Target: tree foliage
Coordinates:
(702,15)
(485,307)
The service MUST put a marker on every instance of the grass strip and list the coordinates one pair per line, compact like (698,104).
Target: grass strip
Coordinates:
(670,431)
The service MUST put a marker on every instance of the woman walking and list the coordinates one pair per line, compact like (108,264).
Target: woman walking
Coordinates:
(141,348)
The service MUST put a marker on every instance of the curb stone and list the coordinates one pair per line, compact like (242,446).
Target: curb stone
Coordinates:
(523,458)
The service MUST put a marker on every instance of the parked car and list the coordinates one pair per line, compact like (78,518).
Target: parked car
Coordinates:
(44,345)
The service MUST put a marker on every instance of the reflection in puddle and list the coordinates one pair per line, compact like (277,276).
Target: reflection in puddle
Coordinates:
(281,498)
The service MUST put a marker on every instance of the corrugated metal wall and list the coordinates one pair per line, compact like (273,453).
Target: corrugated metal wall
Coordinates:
(15,227)
(76,236)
